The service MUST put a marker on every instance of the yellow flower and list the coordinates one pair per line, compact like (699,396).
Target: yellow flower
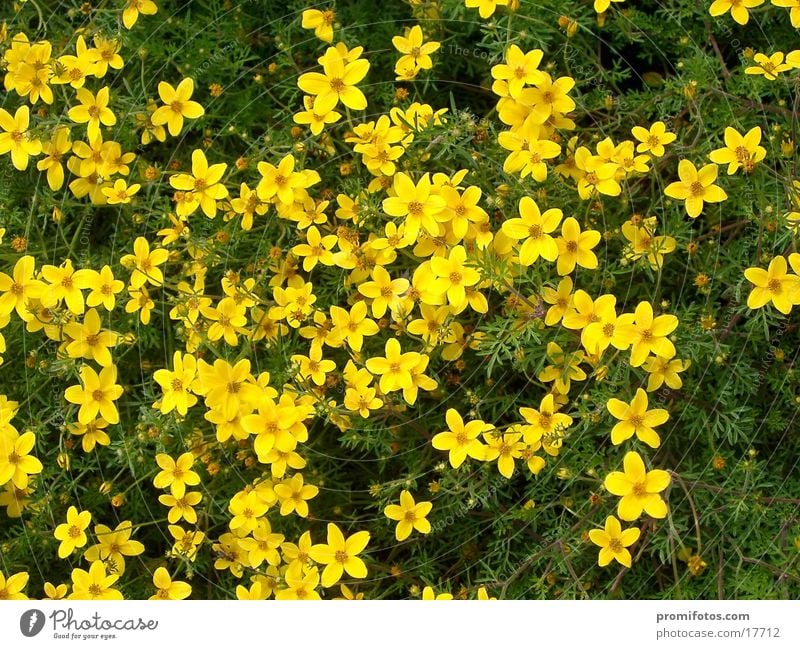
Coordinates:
(614,542)
(145,264)
(636,418)
(107,54)
(409,515)
(186,542)
(175,474)
(321,22)
(486,8)
(97,395)
(93,111)
(769,66)
(228,320)
(602,5)
(652,141)
(89,340)
(65,283)
(664,370)
(247,509)
(644,243)
(336,83)
(135,7)
(550,97)
(16,138)
(72,534)
(564,370)
(316,249)
(738,9)
(505,448)
(352,326)
(74,69)
(32,78)
(395,368)
(520,69)
(55,149)
(177,383)
(177,105)
(91,434)
(362,399)
(301,584)
(483,595)
(460,440)
(384,291)
(140,301)
(168,589)
(535,228)
(453,277)
(120,193)
(339,555)
(313,366)
(226,387)
(428,593)
(648,335)
(773,285)
(15,462)
(575,247)
(639,489)
(417,203)
(11,586)
(282,182)
(740,150)
(696,187)
(543,422)
(561,299)
(113,546)
(531,161)
(94,584)
(316,120)
(202,187)
(416,52)
(181,508)
(606,328)
(53,592)
(293,495)
(103,287)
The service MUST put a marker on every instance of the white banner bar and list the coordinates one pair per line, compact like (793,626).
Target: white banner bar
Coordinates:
(400,624)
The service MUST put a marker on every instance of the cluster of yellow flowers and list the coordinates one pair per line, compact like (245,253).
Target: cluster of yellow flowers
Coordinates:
(379,342)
